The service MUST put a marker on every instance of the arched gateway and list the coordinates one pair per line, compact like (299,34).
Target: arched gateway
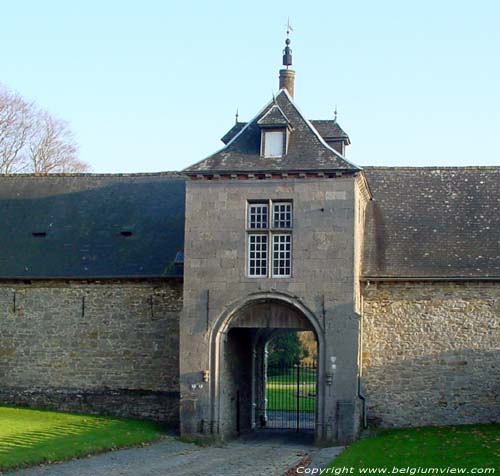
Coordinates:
(237,360)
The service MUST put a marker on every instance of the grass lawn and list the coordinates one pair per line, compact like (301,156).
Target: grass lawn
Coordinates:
(467,446)
(284,397)
(28,436)
(281,391)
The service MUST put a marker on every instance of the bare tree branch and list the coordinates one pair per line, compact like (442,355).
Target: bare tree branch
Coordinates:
(15,128)
(32,140)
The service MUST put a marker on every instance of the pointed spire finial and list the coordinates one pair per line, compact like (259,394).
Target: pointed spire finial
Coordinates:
(335,114)
(236,116)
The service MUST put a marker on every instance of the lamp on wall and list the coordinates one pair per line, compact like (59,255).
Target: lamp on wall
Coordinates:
(331,371)
(205,374)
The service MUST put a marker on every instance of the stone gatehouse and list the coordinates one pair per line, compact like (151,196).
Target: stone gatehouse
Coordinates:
(154,295)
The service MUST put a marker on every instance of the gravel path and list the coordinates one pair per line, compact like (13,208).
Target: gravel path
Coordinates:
(263,455)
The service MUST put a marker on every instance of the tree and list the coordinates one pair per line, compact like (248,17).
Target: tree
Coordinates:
(32,140)
(15,131)
(283,351)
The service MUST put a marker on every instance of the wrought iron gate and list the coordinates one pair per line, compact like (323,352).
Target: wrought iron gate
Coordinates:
(291,397)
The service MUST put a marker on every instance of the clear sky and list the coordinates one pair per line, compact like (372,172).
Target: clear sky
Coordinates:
(153,85)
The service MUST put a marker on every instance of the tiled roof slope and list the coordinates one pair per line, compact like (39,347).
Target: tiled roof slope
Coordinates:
(433,222)
(84,217)
(307,151)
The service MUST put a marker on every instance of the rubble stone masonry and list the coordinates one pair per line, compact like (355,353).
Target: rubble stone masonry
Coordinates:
(104,347)
(430,353)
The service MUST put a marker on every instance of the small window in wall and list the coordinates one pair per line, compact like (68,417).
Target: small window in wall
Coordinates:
(269,239)
(274,142)
(258,215)
(282,215)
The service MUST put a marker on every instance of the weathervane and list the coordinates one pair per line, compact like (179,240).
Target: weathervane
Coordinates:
(287,52)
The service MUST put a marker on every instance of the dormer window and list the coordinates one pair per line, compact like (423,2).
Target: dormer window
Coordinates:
(275,129)
(273,144)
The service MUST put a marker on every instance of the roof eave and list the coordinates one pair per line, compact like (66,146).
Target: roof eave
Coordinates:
(429,278)
(91,278)
(191,173)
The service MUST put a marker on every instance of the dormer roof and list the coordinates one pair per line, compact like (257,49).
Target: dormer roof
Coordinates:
(330,129)
(307,150)
(274,117)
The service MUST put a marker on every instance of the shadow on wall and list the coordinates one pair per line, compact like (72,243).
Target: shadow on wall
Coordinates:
(460,387)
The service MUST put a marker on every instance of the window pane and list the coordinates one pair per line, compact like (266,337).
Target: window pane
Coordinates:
(258,215)
(282,255)
(257,255)
(273,144)
(282,215)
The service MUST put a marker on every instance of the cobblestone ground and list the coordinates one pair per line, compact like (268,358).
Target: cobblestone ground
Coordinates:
(262,455)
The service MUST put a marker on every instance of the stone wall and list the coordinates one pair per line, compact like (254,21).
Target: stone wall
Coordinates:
(103,347)
(430,353)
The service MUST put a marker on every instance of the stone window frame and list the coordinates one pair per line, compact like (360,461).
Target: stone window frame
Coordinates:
(274,220)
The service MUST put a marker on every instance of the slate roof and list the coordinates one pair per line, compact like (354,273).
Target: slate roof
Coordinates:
(274,117)
(307,150)
(233,131)
(95,225)
(330,129)
(433,222)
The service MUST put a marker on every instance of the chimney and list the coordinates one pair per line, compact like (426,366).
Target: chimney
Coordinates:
(287,79)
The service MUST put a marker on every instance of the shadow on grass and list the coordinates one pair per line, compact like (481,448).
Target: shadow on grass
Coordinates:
(29,437)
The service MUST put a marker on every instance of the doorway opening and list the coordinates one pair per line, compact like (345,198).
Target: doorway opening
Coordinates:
(267,367)
(290,382)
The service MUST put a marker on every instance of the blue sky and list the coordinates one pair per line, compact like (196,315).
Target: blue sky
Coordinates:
(150,85)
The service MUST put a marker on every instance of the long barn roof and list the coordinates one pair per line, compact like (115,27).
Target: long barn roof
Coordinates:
(428,222)
(91,226)
(437,222)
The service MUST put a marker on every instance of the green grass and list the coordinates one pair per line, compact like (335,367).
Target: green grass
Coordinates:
(284,397)
(28,437)
(281,391)
(467,446)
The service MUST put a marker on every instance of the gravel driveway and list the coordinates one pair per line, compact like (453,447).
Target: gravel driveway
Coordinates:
(263,455)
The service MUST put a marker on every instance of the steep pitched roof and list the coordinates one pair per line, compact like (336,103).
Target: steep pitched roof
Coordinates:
(307,151)
(433,222)
(91,225)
